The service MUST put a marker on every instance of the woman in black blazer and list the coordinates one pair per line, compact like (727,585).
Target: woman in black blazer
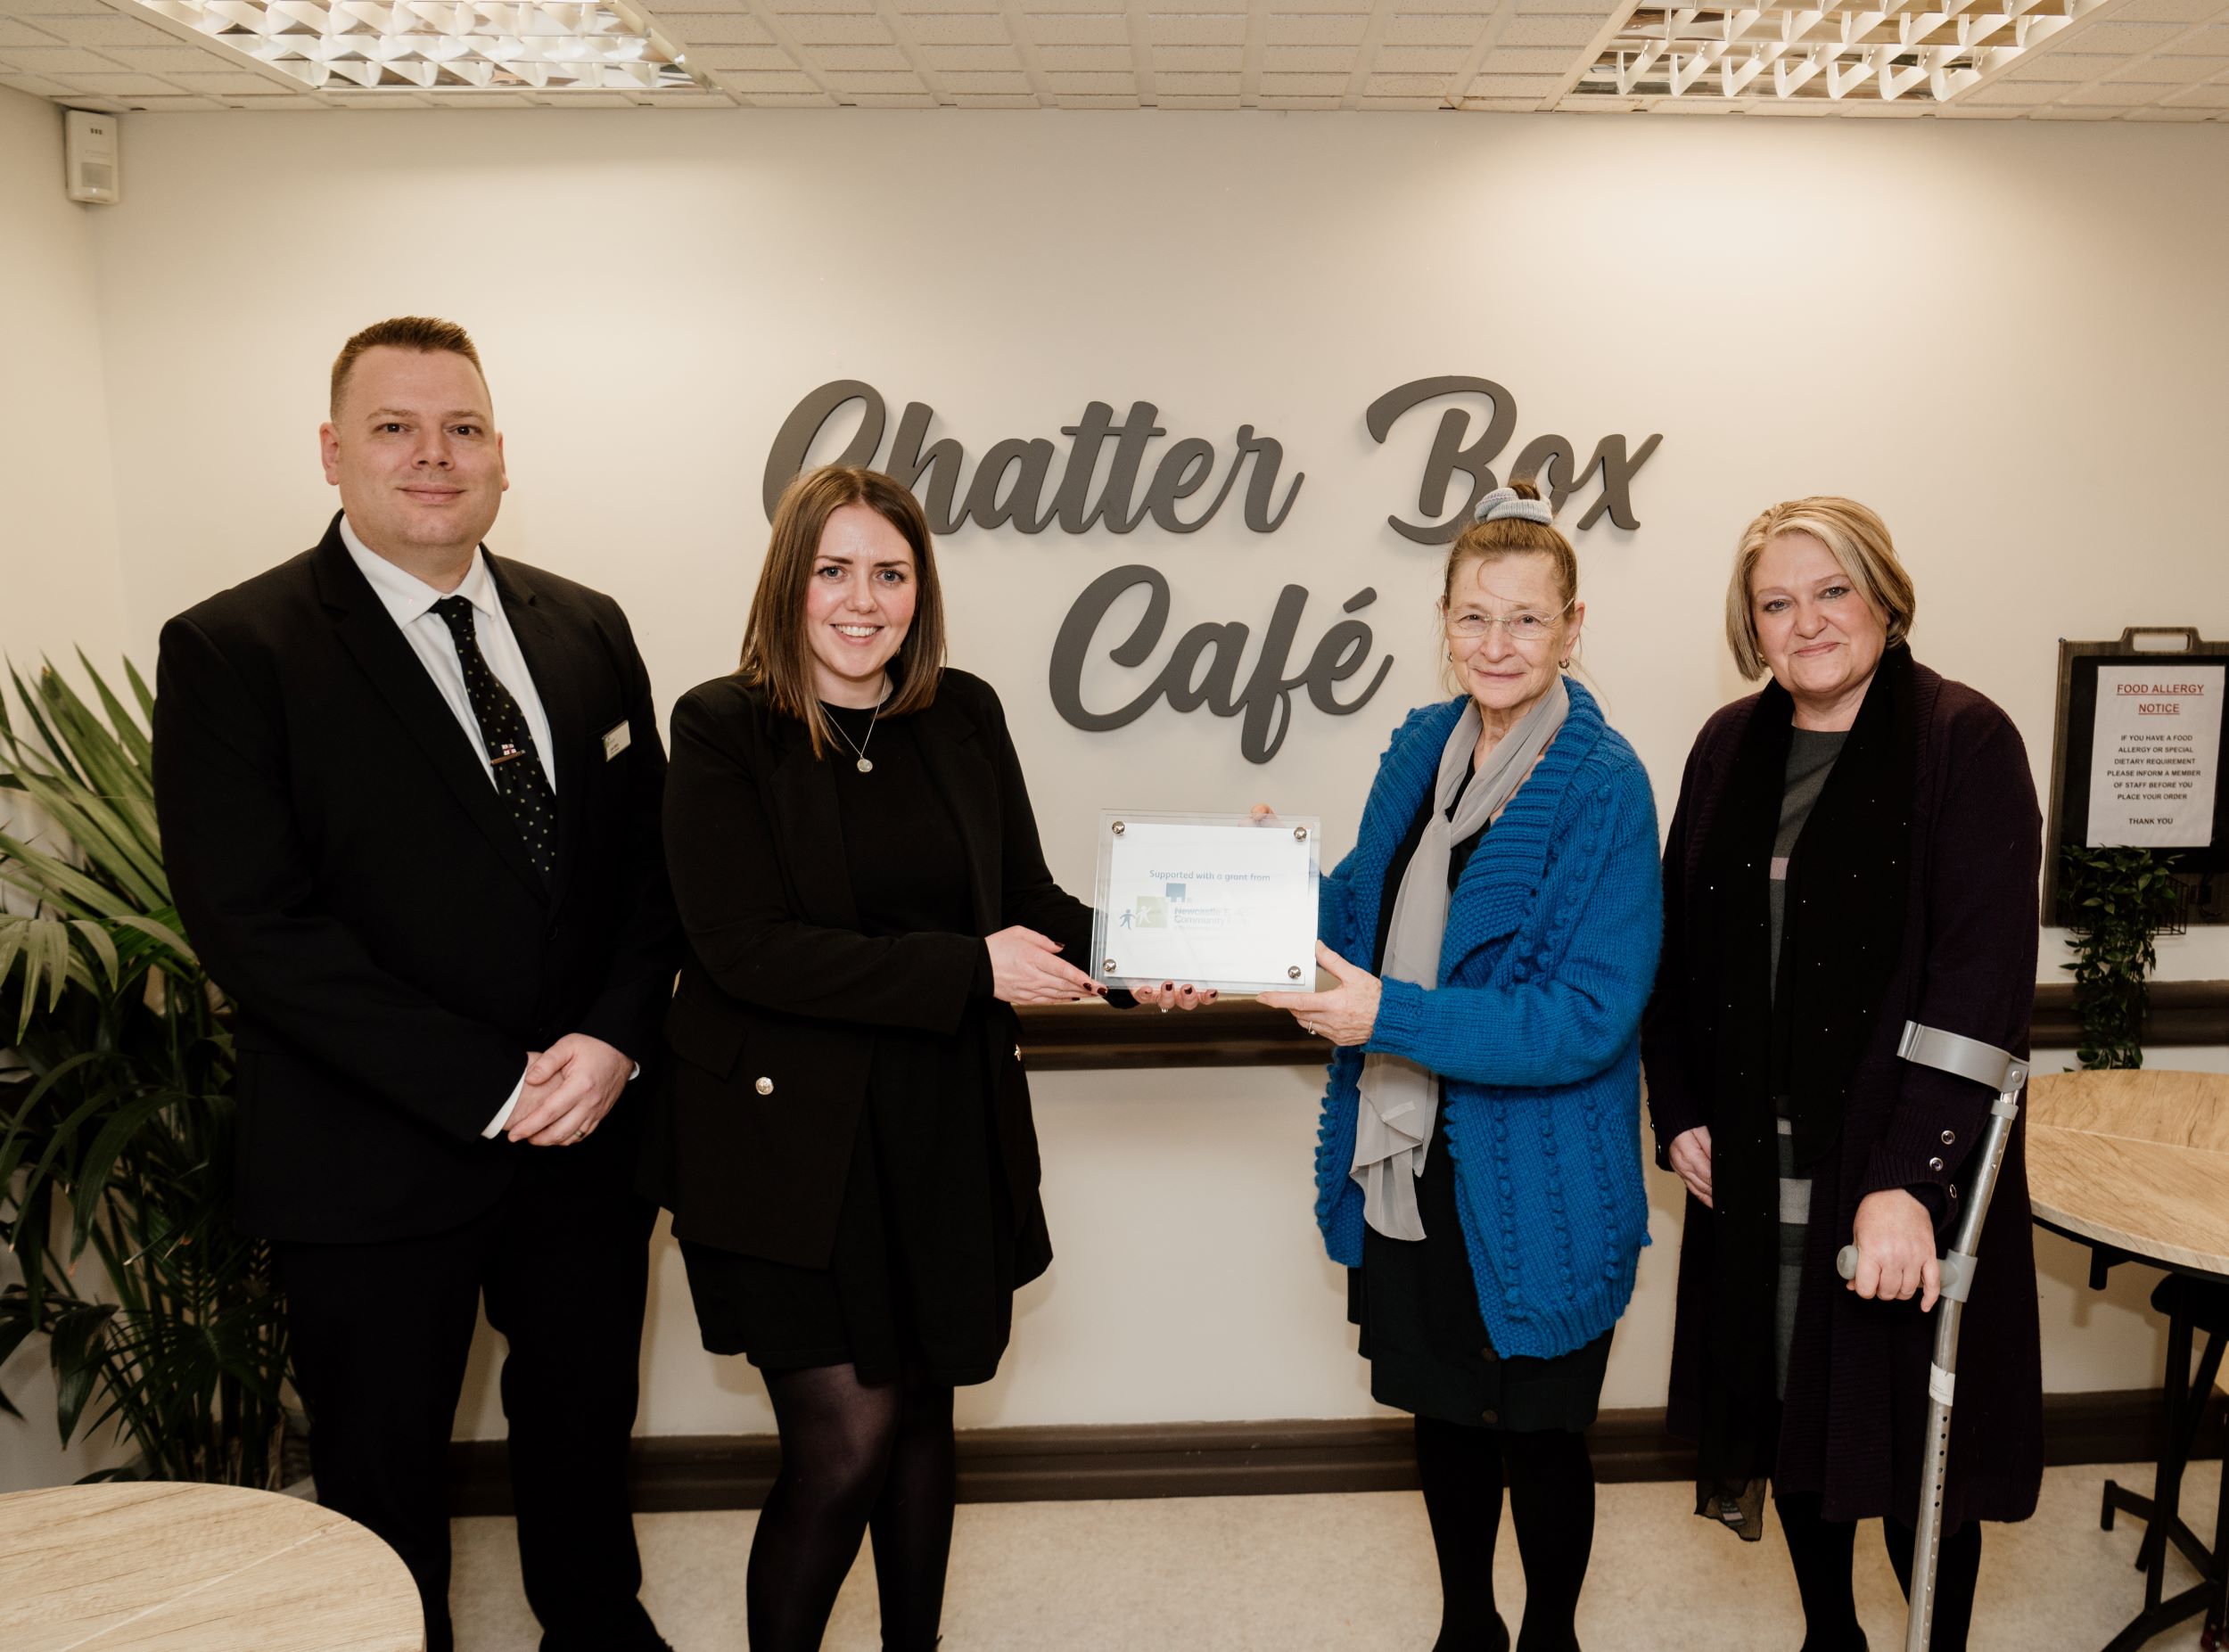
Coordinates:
(847,1149)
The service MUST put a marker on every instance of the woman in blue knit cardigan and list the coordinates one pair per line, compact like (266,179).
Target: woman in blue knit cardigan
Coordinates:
(1493,935)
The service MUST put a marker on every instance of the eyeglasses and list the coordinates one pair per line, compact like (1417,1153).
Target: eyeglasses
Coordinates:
(1522,627)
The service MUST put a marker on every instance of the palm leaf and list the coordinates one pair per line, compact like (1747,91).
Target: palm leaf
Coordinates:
(137,745)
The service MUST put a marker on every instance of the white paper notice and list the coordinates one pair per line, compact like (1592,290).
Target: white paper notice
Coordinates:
(1216,900)
(2154,755)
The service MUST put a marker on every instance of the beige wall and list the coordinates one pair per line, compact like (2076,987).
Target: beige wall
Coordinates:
(2005,336)
(60,581)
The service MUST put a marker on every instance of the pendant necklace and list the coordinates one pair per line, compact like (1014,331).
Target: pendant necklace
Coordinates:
(859,747)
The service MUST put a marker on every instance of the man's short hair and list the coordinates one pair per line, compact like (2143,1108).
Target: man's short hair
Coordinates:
(424,333)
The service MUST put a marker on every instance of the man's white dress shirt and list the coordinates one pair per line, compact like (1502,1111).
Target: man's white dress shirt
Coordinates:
(410,600)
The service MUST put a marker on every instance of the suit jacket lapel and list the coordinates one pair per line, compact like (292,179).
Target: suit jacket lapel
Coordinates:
(963,775)
(369,633)
(544,648)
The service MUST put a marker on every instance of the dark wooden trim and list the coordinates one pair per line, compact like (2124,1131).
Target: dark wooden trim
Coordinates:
(1225,1460)
(1241,1033)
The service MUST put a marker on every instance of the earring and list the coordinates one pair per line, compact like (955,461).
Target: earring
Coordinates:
(1564,663)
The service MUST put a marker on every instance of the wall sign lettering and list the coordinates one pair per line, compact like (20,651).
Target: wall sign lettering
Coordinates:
(1030,484)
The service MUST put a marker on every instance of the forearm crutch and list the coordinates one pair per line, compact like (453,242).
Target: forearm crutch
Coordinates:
(2007,1074)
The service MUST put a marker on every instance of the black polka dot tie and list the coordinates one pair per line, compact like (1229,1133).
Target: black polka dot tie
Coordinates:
(519,776)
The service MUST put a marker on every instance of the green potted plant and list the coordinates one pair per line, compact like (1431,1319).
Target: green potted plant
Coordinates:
(2118,901)
(116,1139)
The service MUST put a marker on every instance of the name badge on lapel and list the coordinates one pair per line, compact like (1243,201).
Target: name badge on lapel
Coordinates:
(617,738)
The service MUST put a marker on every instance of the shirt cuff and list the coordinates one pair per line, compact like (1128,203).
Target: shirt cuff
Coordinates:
(503,1117)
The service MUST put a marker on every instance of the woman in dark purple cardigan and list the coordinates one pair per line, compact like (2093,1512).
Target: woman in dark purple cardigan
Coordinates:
(1855,847)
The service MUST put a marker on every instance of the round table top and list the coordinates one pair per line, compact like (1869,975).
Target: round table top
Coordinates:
(161,1566)
(2138,1160)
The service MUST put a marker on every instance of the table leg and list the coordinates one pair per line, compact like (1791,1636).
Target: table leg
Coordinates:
(2183,1408)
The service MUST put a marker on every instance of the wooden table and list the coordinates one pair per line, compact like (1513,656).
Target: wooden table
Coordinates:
(2135,1165)
(166,1567)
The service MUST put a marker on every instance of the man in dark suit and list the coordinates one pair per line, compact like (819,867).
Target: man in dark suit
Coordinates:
(409,798)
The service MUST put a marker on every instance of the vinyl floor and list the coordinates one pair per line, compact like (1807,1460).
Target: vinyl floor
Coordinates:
(1293,1573)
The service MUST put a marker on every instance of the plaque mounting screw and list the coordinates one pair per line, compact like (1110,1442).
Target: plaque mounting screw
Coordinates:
(1118,828)
(1300,835)
(1292,973)
(1108,967)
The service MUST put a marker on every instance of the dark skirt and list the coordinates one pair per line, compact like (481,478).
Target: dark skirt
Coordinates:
(1417,1305)
(928,1254)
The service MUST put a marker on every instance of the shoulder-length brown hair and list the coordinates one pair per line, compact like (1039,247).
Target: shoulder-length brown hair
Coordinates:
(776,655)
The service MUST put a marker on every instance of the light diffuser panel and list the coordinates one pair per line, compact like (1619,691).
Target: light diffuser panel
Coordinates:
(433,46)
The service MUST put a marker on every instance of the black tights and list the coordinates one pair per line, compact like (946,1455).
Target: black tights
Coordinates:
(1820,1549)
(1552,1497)
(856,1458)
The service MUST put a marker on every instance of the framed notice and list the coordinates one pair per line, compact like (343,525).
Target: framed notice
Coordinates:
(2138,758)
(1221,900)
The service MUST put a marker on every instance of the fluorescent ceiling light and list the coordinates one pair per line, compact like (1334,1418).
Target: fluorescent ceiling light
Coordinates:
(416,46)
(1919,51)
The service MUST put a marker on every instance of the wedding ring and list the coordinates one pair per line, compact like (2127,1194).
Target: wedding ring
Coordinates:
(577,1135)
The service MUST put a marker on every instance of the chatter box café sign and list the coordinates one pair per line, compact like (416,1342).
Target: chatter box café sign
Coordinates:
(1113,475)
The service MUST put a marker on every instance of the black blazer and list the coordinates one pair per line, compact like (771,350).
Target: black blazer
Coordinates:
(352,881)
(779,996)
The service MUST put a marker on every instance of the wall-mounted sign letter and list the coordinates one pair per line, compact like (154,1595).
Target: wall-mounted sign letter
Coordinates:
(1009,488)
(1549,459)
(1203,667)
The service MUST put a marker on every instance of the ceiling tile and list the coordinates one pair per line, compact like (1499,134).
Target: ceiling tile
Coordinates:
(790,100)
(2004,92)
(1326,28)
(894,100)
(2114,37)
(51,60)
(1514,85)
(14,31)
(54,8)
(1522,60)
(2044,66)
(1405,85)
(2168,114)
(961,29)
(1222,57)
(1166,100)
(1097,100)
(1064,57)
(2060,111)
(1419,28)
(1267,101)
(1066,80)
(100,32)
(967,100)
(824,7)
(662,15)
(1196,85)
(220,80)
(878,80)
(2197,97)
(1302,86)
(1370,102)
(715,29)
(282,100)
(1222,29)
(912,7)
(1099,29)
(158,60)
(2171,70)
(993,83)
(753,81)
(970,57)
(159,104)
(1423,60)
(1552,30)
(2109,96)
(1308,57)
(2184,12)
(38,85)
(836,31)
(1505,105)
(859,57)
(741,57)
(2212,41)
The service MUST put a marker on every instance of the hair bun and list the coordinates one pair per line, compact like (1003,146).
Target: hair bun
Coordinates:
(1525,486)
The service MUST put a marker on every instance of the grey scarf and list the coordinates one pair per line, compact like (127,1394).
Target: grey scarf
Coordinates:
(1400,1100)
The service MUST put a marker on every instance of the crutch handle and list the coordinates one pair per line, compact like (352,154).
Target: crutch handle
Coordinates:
(1845,1262)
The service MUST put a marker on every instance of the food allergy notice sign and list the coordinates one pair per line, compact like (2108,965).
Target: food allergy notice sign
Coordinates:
(2137,760)
(2155,753)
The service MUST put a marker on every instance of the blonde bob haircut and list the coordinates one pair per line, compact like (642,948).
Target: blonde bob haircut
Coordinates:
(1857,540)
(776,655)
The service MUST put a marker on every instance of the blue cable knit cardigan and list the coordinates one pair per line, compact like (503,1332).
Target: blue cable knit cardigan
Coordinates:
(1533,1025)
